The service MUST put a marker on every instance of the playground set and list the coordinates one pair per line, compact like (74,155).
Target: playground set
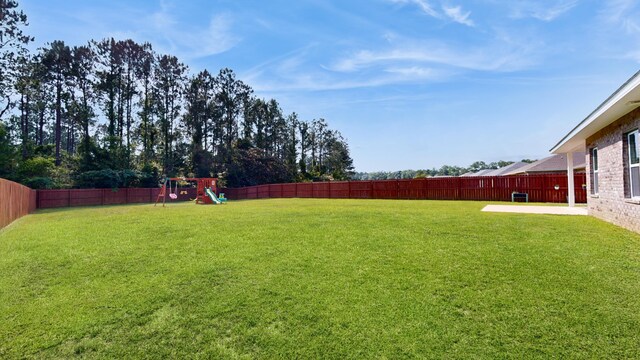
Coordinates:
(205,191)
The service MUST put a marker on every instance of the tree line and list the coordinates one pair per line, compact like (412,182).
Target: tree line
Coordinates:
(115,113)
(445,170)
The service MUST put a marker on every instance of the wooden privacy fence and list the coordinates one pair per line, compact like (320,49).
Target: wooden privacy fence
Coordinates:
(15,201)
(541,188)
(87,197)
(18,200)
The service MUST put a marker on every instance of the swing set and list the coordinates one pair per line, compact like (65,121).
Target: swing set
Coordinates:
(205,194)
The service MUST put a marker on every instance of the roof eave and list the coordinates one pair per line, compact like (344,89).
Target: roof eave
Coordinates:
(615,106)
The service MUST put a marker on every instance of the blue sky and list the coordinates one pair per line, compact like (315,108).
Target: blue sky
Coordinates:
(410,83)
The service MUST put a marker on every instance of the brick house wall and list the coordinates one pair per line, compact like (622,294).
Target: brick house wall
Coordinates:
(613,202)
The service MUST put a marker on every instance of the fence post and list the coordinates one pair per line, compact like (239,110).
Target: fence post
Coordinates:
(458,188)
(397,189)
(425,189)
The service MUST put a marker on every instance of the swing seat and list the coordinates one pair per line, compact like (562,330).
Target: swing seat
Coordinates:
(173,196)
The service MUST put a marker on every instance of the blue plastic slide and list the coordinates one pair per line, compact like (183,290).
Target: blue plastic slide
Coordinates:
(212,196)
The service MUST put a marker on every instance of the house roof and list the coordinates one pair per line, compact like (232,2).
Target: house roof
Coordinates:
(477,173)
(496,172)
(481,172)
(488,172)
(553,163)
(620,103)
(506,169)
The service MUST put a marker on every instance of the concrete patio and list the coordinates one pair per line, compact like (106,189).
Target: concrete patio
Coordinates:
(535,209)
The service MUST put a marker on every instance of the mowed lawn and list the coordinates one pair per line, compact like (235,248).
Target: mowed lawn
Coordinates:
(311,278)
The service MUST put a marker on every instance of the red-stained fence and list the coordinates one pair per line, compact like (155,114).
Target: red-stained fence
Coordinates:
(88,197)
(16,201)
(541,188)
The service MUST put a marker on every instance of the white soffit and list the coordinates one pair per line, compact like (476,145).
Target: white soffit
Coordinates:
(620,103)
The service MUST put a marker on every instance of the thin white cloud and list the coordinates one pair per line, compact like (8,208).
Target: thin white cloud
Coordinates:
(413,71)
(490,58)
(555,11)
(218,37)
(540,10)
(424,5)
(623,13)
(410,62)
(162,28)
(318,81)
(295,72)
(619,20)
(189,41)
(615,10)
(281,59)
(453,13)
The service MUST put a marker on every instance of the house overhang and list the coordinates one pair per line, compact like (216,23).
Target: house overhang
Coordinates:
(620,103)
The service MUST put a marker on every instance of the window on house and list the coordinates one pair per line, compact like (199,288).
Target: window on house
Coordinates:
(594,171)
(633,141)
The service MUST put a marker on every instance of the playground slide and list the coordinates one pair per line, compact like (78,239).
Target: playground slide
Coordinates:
(212,196)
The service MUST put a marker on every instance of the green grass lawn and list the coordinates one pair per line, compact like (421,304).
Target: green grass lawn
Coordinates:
(317,279)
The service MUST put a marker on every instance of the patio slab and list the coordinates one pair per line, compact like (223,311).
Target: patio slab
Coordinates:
(553,210)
